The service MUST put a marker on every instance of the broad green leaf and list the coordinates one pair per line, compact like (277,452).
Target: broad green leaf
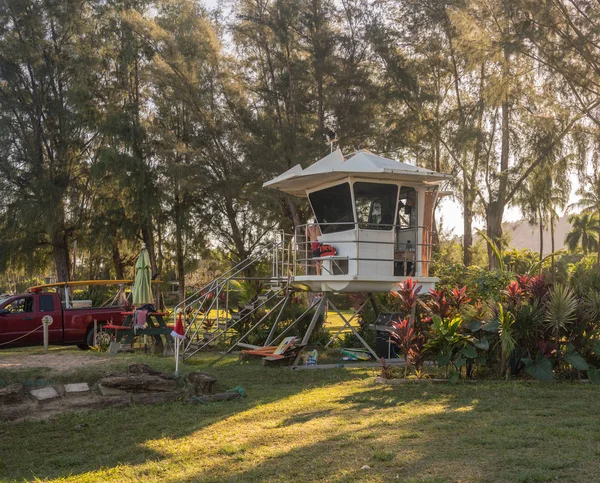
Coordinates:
(474,326)
(453,379)
(482,359)
(469,352)
(577,361)
(596,347)
(460,360)
(491,326)
(482,344)
(593,375)
(443,359)
(540,368)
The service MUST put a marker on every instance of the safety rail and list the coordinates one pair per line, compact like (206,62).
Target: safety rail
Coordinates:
(354,242)
(215,296)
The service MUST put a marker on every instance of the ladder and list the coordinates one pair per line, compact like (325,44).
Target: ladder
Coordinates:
(216,298)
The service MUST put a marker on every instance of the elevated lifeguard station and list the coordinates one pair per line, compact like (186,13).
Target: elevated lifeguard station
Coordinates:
(375,213)
(372,228)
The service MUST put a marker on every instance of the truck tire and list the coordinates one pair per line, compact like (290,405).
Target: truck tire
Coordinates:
(89,339)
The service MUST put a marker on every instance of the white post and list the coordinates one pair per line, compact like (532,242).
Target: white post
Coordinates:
(95,333)
(177,341)
(46,321)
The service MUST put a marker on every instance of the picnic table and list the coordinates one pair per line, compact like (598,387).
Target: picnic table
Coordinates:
(155,327)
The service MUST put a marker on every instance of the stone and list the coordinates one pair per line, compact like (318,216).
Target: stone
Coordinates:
(154,397)
(111,391)
(76,388)
(140,382)
(203,383)
(12,394)
(44,394)
(136,368)
(99,402)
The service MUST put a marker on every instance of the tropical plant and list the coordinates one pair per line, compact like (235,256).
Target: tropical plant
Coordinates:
(589,202)
(584,232)
(449,343)
(506,322)
(459,297)
(408,295)
(439,304)
(560,312)
(409,342)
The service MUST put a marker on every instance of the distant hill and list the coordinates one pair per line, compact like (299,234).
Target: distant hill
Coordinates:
(523,235)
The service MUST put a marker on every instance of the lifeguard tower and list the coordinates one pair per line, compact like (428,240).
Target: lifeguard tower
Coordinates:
(372,228)
(376,213)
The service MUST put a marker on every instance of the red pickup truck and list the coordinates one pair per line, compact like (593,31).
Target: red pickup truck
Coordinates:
(21,320)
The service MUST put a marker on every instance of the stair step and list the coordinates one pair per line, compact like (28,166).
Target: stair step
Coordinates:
(222,326)
(236,316)
(249,307)
(263,297)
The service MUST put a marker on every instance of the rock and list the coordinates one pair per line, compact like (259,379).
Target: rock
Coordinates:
(99,402)
(140,382)
(16,411)
(77,389)
(365,467)
(111,391)
(154,397)
(12,394)
(141,369)
(44,394)
(203,383)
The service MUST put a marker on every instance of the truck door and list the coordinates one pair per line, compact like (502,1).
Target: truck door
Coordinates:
(17,320)
(47,305)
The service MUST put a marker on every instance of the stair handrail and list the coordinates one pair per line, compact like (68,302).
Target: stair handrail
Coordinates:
(228,274)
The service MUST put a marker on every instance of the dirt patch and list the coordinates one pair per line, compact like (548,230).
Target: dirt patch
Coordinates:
(54,362)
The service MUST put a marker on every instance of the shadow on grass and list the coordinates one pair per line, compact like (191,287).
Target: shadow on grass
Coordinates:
(77,443)
(432,434)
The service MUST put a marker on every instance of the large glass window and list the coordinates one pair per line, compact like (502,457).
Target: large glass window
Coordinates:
(407,208)
(21,305)
(375,205)
(333,208)
(46,303)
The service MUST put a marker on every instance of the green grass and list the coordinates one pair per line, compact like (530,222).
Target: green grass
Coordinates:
(320,425)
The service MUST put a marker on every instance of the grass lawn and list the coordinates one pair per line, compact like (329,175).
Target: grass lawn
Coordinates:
(318,425)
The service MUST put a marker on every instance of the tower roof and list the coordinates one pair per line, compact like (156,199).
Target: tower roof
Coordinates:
(335,166)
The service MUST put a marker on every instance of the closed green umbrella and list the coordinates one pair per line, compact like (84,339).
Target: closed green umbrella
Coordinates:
(142,292)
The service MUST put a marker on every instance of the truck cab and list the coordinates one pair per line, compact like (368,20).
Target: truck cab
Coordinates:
(21,319)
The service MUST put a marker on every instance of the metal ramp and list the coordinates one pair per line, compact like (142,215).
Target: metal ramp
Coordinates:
(213,309)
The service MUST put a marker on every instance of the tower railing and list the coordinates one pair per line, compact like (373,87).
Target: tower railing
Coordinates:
(411,257)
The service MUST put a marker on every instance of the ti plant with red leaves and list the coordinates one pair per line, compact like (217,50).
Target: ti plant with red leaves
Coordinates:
(439,304)
(410,343)
(514,293)
(459,297)
(408,294)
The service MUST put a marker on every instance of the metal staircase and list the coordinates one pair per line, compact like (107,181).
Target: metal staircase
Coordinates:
(271,269)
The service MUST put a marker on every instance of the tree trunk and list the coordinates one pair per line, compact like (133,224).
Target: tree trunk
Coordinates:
(148,237)
(60,249)
(541,237)
(552,249)
(495,208)
(467,224)
(179,249)
(494,216)
(117,260)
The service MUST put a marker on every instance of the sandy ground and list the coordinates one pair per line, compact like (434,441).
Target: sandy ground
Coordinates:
(55,362)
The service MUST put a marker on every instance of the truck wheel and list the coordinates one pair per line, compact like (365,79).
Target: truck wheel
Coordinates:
(89,339)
